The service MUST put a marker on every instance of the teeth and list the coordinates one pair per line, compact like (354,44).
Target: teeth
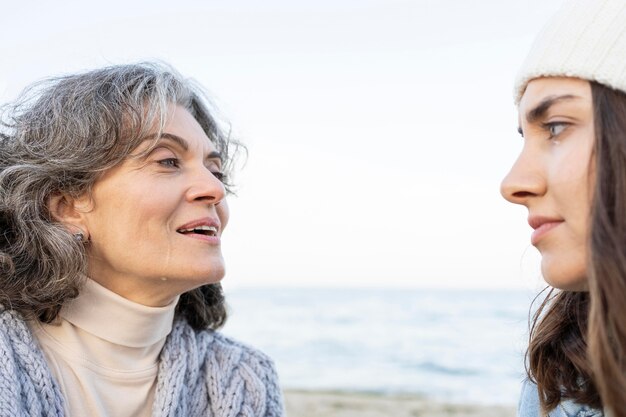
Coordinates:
(210,229)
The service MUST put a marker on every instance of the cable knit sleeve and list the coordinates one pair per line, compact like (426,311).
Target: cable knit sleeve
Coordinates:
(207,374)
(276,407)
(257,369)
(27,387)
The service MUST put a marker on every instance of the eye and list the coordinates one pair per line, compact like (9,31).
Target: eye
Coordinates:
(219,175)
(169,162)
(555,128)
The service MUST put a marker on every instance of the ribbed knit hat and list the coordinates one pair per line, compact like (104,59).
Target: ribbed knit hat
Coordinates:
(585,39)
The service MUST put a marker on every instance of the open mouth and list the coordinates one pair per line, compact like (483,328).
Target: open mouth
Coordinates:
(200,230)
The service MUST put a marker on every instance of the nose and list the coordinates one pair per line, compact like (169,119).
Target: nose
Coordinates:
(206,187)
(525,180)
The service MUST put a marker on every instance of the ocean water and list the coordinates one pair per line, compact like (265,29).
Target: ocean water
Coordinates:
(451,345)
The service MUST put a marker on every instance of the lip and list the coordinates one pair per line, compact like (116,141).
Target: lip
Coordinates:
(542,225)
(206,221)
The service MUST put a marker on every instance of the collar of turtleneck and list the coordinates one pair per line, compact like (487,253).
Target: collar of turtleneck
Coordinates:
(104,351)
(113,318)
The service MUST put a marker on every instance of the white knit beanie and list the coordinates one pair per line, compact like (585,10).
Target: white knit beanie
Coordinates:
(585,39)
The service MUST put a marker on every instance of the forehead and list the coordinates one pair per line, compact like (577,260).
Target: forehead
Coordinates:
(182,124)
(540,89)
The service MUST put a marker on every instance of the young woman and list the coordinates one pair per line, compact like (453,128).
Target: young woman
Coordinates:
(113,189)
(571,176)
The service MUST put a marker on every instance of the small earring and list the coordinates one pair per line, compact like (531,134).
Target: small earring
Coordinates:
(79,237)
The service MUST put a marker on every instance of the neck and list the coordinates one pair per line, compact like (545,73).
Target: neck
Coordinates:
(116,319)
(150,293)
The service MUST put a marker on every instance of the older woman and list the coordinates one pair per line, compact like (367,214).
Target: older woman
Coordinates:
(113,191)
(571,176)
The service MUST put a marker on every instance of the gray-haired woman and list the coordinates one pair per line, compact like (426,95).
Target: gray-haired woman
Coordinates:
(112,204)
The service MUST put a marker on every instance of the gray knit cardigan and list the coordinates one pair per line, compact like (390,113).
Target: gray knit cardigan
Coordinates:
(201,373)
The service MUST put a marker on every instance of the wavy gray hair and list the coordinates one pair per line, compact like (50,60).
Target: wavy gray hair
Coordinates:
(59,136)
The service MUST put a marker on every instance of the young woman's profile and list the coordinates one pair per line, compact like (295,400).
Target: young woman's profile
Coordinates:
(571,176)
(113,188)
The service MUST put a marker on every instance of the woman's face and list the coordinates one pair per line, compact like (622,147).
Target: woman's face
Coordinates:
(154,222)
(553,175)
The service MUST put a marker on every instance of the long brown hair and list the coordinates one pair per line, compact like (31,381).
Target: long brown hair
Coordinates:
(607,271)
(577,346)
(59,136)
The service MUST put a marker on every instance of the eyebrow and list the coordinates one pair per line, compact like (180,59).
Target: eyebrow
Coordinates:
(174,138)
(182,143)
(541,109)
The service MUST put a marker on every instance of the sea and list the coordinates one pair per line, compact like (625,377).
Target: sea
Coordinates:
(460,346)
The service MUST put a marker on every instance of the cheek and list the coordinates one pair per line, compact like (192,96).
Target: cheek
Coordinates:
(564,261)
(572,185)
(131,217)
(223,212)
(573,160)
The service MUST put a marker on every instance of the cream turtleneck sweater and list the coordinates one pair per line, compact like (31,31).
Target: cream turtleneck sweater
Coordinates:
(104,350)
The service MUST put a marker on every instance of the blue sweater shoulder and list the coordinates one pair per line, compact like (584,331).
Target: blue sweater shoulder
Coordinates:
(201,373)
(529,405)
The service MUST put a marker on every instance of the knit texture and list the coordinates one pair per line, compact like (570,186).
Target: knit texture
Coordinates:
(201,373)
(585,39)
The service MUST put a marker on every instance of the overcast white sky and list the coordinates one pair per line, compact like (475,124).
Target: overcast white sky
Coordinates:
(378,130)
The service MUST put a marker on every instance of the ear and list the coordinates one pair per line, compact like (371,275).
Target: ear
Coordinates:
(70,212)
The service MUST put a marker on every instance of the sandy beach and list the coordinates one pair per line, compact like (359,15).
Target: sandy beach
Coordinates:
(344,404)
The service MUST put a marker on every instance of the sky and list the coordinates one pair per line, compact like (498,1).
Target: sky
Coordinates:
(378,131)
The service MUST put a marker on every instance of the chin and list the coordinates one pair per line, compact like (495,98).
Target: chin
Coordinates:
(211,276)
(208,270)
(565,278)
